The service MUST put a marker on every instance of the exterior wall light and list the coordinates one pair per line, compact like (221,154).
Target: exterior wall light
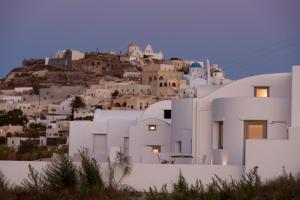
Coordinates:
(152,127)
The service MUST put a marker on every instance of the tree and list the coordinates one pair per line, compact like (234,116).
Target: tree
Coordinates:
(36,89)
(77,103)
(14,117)
(35,130)
(2,140)
(28,146)
(115,94)
(60,174)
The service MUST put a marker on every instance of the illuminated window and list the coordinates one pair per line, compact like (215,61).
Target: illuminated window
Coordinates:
(155,149)
(261,91)
(256,129)
(152,127)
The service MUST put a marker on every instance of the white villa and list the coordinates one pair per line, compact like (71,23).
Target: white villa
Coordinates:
(139,134)
(254,121)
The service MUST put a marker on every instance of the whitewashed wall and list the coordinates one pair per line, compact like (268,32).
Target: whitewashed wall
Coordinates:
(182,124)
(142,177)
(272,155)
(234,111)
(140,137)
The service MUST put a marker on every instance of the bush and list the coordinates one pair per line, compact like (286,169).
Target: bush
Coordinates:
(61,174)
(89,174)
(62,180)
(28,146)
(246,188)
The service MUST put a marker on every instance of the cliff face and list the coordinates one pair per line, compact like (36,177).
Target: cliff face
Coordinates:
(35,72)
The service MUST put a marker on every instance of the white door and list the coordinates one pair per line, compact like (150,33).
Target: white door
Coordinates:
(100,147)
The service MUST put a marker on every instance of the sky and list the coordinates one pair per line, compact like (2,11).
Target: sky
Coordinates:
(246,37)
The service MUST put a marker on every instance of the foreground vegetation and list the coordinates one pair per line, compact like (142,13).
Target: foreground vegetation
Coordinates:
(61,179)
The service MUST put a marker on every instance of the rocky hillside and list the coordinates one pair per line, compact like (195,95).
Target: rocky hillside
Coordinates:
(35,72)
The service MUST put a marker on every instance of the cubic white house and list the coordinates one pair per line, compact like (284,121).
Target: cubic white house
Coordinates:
(254,121)
(139,134)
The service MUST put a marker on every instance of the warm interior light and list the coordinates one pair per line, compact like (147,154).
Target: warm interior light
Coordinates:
(255,131)
(224,162)
(155,150)
(261,92)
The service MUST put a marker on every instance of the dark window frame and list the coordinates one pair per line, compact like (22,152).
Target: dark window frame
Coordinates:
(220,135)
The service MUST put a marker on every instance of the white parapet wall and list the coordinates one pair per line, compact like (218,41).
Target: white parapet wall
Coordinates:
(142,176)
(273,157)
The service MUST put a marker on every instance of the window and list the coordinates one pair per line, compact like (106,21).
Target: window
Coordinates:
(256,129)
(156,148)
(126,146)
(167,114)
(220,135)
(261,91)
(152,127)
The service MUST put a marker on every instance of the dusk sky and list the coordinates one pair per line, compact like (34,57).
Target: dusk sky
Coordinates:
(245,37)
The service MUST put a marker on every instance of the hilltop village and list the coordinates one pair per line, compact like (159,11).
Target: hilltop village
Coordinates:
(165,116)
(70,85)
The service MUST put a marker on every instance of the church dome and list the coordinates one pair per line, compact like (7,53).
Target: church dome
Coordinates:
(195,65)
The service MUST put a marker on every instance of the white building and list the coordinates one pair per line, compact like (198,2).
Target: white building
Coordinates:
(23,89)
(135,51)
(202,79)
(139,134)
(254,121)
(11,98)
(251,122)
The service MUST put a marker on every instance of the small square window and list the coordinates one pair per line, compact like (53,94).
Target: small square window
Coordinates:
(156,149)
(152,127)
(261,91)
(167,114)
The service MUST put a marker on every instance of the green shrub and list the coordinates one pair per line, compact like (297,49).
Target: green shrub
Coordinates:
(60,174)
(247,187)
(89,174)
(34,183)
(285,187)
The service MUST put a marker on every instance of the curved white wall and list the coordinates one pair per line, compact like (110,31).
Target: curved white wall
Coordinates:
(280,87)
(156,110)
